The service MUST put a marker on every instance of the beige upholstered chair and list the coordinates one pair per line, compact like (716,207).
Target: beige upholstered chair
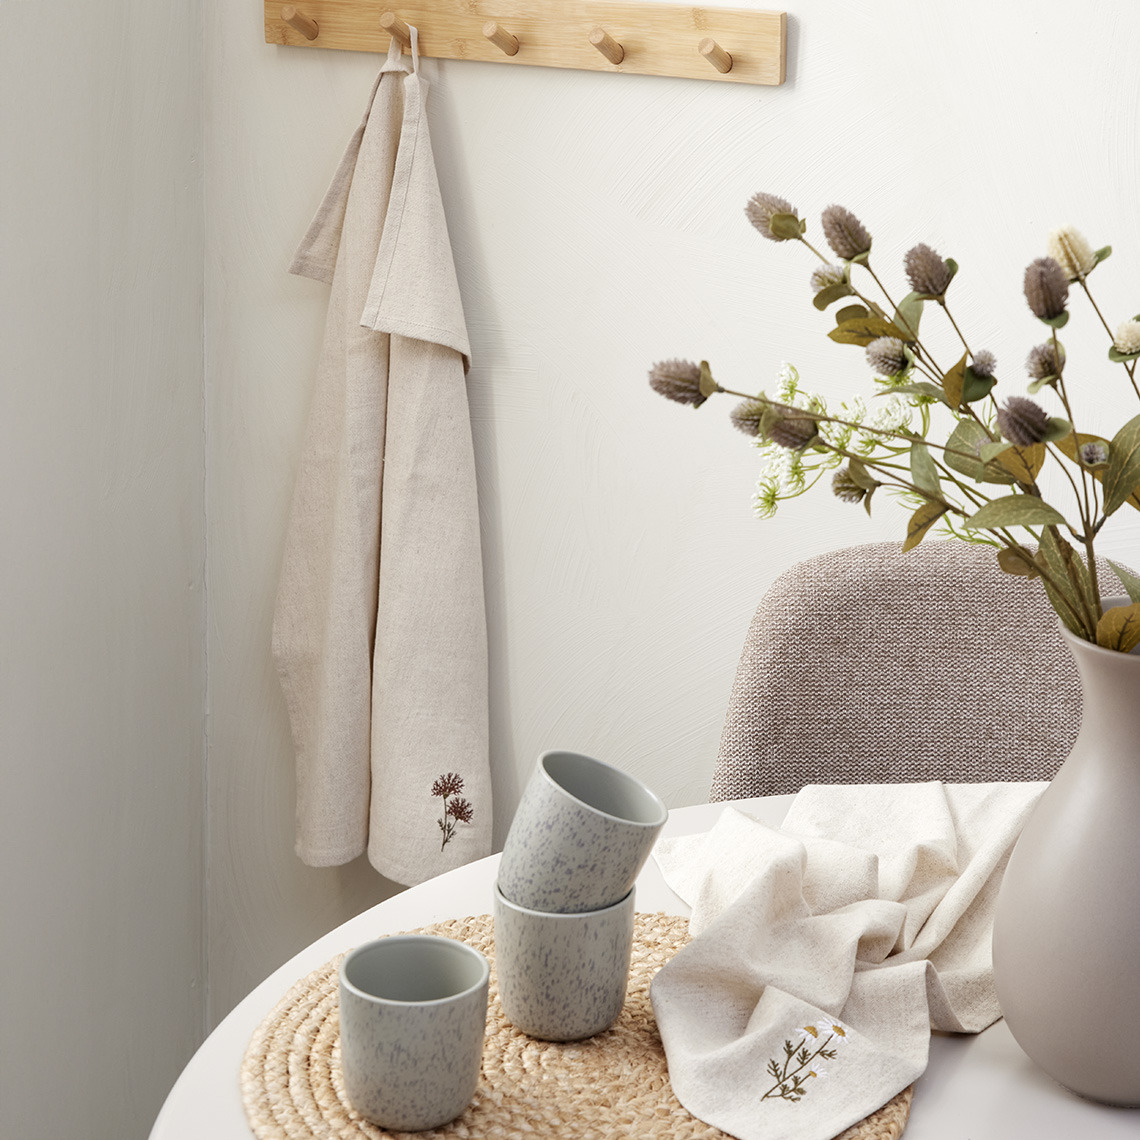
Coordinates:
(868,665)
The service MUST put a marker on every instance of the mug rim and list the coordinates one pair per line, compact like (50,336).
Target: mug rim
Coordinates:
(570,915)
(622,774)
(433,939)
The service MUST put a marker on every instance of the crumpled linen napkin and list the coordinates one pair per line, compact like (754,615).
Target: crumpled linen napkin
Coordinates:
(824,952)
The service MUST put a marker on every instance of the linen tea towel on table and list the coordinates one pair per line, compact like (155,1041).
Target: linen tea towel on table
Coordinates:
(379,632)
(824,952)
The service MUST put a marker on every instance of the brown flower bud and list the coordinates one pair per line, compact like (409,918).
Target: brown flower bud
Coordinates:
(678,380)
(747,415)
(1022,421)
(844,487)
(760,209)
(791,428)
(926,271)
(1046,288)
(887,356)
(846,235)
(984,363)
(1043,361)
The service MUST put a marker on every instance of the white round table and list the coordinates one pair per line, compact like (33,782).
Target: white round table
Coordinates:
(979,1087)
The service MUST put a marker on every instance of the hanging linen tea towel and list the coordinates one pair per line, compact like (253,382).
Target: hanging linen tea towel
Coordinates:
(379,632)
(825,951)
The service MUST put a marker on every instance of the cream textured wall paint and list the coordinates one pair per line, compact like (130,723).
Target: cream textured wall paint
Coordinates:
(102,678)
(597,224)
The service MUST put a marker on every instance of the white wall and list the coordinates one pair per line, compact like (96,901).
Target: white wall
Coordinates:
(597,224)
(102,680)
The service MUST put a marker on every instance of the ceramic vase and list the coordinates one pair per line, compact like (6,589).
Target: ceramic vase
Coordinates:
(1066,946)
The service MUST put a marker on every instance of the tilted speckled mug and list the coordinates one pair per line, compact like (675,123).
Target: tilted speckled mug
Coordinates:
(413,1013)
(582,832)
(562,977)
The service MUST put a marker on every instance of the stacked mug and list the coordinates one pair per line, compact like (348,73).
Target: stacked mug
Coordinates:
(564,900)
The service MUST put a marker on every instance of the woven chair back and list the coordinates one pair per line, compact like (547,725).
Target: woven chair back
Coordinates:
(866,665)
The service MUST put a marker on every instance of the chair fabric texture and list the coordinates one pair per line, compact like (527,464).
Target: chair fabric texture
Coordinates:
(867,665)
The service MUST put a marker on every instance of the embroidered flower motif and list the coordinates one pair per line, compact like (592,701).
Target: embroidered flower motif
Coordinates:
(455,811)
(791,1076)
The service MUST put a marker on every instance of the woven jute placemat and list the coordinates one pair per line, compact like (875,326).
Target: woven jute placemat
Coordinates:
(612,1085)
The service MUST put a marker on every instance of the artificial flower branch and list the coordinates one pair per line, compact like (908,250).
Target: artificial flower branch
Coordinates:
(988,444)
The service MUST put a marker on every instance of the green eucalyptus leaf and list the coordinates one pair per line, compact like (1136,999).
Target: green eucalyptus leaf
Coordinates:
(1013,563)
(975,387)
(1014,510)
(1128,580)
(1119,628)
(867,501)
(1023,463)
(786,226)
(990,451)
(863,330)
(923,472)
(1103,253)
(861,258)
(1057,322)
(1056,428)
(921,521)
(850,313)
(908,315)
(952,265)
(1035,386)
(1123,473)
(861,476)
(831,293)
(921,388)
(961,455)
(952,382)
(1069,586)
(1119,357)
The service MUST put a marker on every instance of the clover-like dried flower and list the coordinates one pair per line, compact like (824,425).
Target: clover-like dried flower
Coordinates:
(887,356)
(926,271)
(846,235)
(1068,247)
(746,416)
(793,430)
(1046,288)
(984,363)
(447,785)
(461,810)
(1043,361)
(844,487)
(760,209)
(1126,339)
(1094,453)
(678,380)
(1022,421)
(824,276)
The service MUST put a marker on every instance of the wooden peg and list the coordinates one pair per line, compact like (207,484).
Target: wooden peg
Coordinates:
(607,45)
(501,38)
(395,27)
(304,24)
(715,54)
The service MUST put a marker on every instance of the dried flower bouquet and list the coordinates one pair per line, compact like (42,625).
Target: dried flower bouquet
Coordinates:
(981,484)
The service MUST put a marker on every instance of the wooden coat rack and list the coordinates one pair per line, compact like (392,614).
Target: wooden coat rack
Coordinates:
(734,45)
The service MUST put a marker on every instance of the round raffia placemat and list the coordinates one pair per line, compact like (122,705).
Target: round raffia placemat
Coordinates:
(613,1085)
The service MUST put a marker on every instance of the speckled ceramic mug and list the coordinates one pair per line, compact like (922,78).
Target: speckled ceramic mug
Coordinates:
(413,1012)
(581,834)
(562,977)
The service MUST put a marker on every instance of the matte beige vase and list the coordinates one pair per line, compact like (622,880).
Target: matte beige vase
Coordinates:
(1067,926)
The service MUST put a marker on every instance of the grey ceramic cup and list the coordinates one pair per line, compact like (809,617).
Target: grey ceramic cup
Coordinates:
(413,1012)
(582,832)
(562,977)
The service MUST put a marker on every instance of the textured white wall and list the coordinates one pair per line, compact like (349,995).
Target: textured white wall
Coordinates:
(102,680)
(597,224)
